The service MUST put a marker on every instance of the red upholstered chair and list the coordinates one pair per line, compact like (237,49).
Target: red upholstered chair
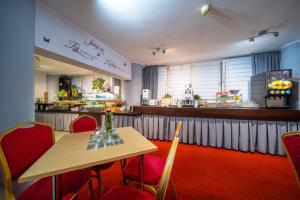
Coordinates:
(291,144)
(125,192)
(85,123)
(153,170)
(20,147)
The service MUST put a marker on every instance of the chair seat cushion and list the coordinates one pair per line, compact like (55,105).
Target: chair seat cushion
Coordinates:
(122,192)
(70,185)
(153,169)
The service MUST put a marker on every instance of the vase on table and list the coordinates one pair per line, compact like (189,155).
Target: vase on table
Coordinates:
(108,126)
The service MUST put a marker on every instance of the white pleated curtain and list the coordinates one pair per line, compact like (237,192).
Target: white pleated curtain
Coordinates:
(206,78)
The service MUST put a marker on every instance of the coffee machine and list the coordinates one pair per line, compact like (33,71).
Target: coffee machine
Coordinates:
(146,96)
(188,97)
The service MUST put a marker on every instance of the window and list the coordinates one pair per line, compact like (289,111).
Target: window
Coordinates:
(178,78)
(205,78)
(237,74)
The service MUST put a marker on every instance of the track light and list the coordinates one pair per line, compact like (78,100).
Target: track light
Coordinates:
(263,33)
(276,34)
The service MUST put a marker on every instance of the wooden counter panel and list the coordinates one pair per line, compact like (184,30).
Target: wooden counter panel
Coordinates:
(223,113)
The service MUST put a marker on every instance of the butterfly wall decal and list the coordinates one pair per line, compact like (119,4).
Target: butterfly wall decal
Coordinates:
(46,39)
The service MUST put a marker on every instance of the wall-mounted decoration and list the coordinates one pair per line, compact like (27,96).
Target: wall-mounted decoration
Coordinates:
(46,39)
(75,47)
(74,43)
(93,43)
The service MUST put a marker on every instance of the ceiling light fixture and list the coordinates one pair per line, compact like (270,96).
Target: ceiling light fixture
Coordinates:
(158,50)
(205,9)
(263,33)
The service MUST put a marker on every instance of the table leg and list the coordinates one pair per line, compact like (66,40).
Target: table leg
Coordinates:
(123,165)
(141,171)
(55,187)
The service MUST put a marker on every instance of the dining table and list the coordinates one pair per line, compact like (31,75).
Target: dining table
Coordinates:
(72,153)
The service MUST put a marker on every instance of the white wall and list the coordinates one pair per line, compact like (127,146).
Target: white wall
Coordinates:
(16,62)
(40,84)
(45,83)
(290,59)
(52,86)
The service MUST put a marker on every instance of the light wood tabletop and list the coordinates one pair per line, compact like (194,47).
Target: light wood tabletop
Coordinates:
(70,153)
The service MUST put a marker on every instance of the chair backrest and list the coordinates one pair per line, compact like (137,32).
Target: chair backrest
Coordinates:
(291,144)
(20,147)
(83,123)
(169,165)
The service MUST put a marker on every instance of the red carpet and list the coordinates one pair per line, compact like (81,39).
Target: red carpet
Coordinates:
(213,174)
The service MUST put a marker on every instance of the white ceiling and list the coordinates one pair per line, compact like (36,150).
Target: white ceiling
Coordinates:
(134,27)
(55,67)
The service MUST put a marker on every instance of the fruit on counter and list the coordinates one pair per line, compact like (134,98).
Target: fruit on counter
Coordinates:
(65,102)
(280,84)
(61,93)
(234,91)
(223,93)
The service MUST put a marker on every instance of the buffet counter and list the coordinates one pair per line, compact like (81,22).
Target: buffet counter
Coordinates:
(252,129)
(247,130)
(60,119)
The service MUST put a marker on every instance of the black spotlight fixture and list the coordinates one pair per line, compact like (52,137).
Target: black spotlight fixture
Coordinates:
(263,33)
(276,34)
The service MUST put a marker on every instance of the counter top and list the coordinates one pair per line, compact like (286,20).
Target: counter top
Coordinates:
(88,112)
(223,113)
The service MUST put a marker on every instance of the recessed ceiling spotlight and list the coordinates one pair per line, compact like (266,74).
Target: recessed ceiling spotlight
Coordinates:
(205,9)
(263,33)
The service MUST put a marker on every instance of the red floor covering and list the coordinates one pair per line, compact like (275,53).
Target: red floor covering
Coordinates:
(212,174)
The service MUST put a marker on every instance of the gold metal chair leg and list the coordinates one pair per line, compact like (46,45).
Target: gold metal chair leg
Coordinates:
(91,189)
(173,188)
